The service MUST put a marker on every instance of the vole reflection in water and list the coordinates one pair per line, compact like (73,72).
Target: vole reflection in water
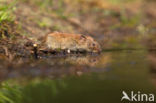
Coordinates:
(56,67)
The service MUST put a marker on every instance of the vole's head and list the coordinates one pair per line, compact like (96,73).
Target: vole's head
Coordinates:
(92,45)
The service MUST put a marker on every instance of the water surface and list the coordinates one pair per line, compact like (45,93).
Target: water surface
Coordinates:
(79,79)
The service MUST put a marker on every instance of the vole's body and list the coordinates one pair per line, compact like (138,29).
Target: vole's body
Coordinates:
(73,42)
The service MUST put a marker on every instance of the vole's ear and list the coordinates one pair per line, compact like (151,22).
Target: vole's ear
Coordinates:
(83,37)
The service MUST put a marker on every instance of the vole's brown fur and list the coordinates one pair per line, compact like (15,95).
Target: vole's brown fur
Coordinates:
(73,42)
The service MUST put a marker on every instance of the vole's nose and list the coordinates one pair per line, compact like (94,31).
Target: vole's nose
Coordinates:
(97,50)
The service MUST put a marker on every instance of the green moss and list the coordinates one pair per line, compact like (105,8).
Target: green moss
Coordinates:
(6,12)
(35,91)
(7,20)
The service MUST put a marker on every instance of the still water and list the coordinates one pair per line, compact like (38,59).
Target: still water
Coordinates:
(79,79)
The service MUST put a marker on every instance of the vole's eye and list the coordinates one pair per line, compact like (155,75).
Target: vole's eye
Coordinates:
(93,44)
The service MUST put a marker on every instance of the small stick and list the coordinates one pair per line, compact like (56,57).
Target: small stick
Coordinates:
(35,51)
(6,51)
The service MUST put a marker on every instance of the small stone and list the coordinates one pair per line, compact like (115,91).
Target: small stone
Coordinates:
(35,45)
(68,51)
